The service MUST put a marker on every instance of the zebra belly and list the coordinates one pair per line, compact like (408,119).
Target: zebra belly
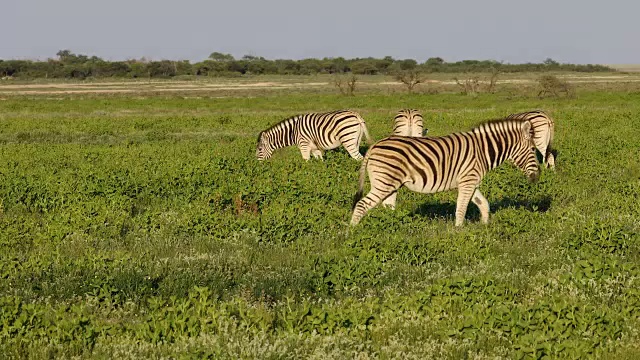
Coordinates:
(328,146)
(429,188)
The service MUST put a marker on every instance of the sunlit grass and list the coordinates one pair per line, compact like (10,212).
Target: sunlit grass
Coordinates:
(144,227)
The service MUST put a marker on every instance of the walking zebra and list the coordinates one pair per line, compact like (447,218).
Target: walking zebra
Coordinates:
(315,132)
(435,164)
(408,122)
(543,128)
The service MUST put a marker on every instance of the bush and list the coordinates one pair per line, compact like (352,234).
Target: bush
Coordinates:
(470,85)
(551,85)
(410,77)
(346,84)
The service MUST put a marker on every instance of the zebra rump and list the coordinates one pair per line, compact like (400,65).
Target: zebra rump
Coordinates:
(408,122)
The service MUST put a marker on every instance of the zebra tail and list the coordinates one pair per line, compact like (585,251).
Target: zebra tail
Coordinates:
(363,175)
(366,132)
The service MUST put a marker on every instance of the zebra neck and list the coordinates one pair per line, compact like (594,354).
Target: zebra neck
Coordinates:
(282,135)
(497,150)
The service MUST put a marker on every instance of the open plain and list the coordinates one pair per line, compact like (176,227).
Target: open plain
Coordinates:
(135,222)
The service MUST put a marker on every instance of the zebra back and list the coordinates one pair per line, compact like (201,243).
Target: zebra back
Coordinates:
(408,122)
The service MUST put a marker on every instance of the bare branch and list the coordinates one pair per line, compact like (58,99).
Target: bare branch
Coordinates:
(410,77)
(470,85)
(346,84)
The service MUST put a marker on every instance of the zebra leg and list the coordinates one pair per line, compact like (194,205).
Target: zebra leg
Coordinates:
(363,206)
(379,191)
(482,204)
(352,145)
(464,195)
(305,150)
(390,201)
(550,160)
(317,154)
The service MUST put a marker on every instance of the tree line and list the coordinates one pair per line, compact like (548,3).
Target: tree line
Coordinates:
(76,66)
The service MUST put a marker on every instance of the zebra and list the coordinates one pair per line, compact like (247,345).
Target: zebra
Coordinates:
(408,122)
(434,164)
(543,128)
(315,132)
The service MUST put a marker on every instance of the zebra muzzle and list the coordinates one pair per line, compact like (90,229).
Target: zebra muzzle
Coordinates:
(534,177)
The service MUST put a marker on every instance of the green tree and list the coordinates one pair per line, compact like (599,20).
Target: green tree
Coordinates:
(239,66)
(406,64)
(383,64)
(217,56)
(67,57)
(164,68)
(253,58)
(258,66)
(64,55)
(335,65)
(550,62)
(286,67)
(310,66)
(364,66)
(434,61)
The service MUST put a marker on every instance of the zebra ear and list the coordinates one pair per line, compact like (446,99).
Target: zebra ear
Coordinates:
(526,129)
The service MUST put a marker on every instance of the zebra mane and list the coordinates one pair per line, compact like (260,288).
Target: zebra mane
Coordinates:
(276,125)
(495,121)
(524,115)
(483,126)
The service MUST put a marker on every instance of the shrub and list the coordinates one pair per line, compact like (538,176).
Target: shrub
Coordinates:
(410,77)
(551,85)
(346,83)
(470,85)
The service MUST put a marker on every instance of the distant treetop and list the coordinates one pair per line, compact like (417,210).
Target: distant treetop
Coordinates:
(78,66)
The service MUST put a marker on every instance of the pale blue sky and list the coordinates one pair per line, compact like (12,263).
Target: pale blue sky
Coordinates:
(576,31)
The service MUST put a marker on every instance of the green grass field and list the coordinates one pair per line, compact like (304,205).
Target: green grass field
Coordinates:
(144,227)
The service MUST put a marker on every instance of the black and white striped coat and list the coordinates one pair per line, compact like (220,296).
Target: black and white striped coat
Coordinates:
(434,164)
(408,122)
(315,132)
(543,129)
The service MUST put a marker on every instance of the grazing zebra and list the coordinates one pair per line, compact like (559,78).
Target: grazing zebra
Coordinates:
(315,132)
(435,164)
(408,122)
(543,127)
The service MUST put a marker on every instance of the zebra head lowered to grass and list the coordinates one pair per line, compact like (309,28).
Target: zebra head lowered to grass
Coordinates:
(408,122)
(543,129)
(315,132)
(435,164)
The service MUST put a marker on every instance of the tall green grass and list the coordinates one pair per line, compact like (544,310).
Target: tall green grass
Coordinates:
(144,227)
